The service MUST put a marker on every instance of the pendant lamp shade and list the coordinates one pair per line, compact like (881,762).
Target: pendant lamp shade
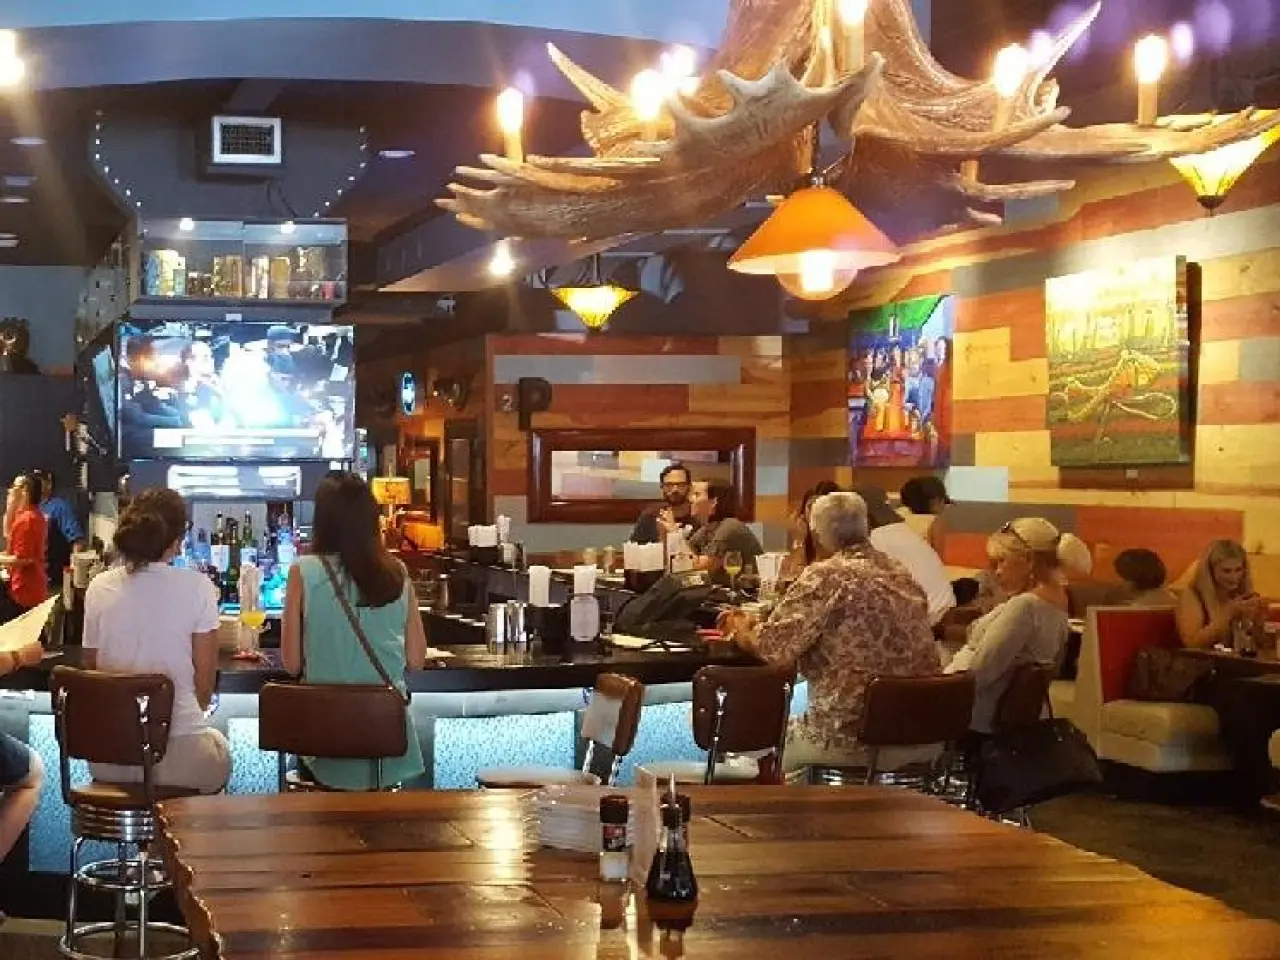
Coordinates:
(1213,174)
(594,305)
(814,236)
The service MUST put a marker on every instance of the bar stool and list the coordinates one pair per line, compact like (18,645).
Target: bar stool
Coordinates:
(735,710)
(124,720)
(608,727)
(344,721)
(901,713)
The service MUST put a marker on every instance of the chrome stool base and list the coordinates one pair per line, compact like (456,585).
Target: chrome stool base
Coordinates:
(133,880)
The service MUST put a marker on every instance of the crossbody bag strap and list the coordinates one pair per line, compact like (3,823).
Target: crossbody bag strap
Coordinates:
(359,632)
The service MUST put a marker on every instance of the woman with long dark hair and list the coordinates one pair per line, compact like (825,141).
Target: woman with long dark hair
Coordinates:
(348,560)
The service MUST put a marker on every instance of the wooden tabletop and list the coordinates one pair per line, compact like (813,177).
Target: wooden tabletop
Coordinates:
(823,873)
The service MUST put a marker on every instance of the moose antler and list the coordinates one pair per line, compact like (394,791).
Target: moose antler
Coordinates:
(704,166)
(747,130)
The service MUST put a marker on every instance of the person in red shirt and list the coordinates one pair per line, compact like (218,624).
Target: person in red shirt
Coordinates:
(26,532)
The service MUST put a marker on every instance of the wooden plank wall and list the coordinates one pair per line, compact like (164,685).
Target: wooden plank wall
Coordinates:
(465,360)
(639,381)
(1001,367)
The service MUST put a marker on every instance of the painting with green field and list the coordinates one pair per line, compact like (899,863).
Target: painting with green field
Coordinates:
(1119,365)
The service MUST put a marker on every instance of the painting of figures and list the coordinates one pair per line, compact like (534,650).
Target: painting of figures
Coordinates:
(900,383)
(1119,374)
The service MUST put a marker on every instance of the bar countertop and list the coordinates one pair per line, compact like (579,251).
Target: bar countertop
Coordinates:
(470,669)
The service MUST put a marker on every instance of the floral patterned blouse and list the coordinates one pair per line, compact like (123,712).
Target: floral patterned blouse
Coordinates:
(845,620)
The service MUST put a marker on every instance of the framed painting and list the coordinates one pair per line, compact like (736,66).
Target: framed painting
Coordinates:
(899,383)
(1119,365)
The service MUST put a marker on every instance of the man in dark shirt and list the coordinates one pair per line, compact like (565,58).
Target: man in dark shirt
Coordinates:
(674,509)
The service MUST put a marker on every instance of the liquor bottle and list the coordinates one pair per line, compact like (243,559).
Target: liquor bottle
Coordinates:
(248,545)
(219,549)
(233,544)
(203,557)
(286,545)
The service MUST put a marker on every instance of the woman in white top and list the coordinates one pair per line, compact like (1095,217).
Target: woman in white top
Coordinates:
(890,535)
(1031,561)
(145,616)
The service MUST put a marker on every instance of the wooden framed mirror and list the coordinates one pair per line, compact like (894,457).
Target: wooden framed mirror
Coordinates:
(609,476)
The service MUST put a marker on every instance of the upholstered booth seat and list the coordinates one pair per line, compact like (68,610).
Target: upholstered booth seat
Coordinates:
(1157,737)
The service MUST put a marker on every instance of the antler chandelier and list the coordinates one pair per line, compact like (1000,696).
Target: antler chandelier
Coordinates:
(747,128)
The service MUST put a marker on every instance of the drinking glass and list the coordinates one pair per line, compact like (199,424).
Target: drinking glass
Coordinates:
(733,567)
(252,622)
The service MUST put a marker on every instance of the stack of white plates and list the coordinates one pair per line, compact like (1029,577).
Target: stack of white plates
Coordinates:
(568,817)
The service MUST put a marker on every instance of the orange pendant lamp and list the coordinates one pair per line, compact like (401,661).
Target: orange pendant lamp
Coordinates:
(815,243)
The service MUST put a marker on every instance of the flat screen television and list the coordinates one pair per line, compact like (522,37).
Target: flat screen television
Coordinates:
(219,391)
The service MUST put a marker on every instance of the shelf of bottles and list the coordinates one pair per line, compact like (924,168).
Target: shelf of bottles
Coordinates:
(222,553)
(280,261)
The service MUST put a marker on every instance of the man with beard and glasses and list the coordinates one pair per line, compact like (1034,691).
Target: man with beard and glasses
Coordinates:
(656,520)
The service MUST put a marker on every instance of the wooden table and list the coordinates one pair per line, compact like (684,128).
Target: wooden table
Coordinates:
(794,872)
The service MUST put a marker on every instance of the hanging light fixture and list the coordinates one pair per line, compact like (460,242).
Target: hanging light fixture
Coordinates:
(596,302)
(815,243)
(1213,174)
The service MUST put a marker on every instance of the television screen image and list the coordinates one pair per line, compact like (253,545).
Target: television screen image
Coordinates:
(104,377)
(244,391)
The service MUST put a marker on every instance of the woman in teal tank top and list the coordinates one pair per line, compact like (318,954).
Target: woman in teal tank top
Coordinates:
(317,640)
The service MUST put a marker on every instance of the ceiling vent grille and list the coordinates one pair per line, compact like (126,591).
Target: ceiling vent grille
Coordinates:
(247,141)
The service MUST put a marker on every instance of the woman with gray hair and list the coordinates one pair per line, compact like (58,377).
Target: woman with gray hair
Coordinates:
(852,615)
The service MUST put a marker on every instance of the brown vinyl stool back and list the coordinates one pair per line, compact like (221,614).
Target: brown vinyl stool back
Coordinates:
(740,710)
(343,721)
(111,718)
(913,712)
(612,718)
(1023,700)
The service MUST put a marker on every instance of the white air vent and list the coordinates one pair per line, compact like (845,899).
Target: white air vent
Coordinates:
(253,141)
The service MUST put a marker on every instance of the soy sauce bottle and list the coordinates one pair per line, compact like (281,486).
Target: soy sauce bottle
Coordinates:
(672,887)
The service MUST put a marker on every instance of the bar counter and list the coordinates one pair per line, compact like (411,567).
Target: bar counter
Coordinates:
(472,710)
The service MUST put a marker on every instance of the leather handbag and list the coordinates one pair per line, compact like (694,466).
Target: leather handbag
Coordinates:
(1023,766)
(1162,675)
(360,636)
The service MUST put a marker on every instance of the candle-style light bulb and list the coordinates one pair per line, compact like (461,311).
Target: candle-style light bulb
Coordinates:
(502,264)
(510,109)
(12,68)
(1012,64)
(1150,58)
(853,15)
(648,90)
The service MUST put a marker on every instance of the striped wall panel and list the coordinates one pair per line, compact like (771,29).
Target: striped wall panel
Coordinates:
(608,381)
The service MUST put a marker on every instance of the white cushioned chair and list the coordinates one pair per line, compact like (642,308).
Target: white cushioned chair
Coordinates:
(1157,737)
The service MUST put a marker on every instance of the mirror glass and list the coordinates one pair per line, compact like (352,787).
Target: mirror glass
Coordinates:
(629,474)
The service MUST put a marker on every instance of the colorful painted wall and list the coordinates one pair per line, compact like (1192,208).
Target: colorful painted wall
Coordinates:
(1000,374)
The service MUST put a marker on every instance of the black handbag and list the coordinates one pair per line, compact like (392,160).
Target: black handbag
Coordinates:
(1028,765)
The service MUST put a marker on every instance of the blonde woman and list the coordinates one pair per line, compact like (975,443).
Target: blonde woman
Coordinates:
(1031,561)
(1220,600)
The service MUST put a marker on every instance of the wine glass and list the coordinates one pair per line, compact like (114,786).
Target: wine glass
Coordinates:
(252,622)
(733,567)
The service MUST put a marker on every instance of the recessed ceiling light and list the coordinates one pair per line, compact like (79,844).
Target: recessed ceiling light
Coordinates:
(186,223)
(27,141)
(14,198)
(397,153)
(288,226)
(20,181)
(8,240)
